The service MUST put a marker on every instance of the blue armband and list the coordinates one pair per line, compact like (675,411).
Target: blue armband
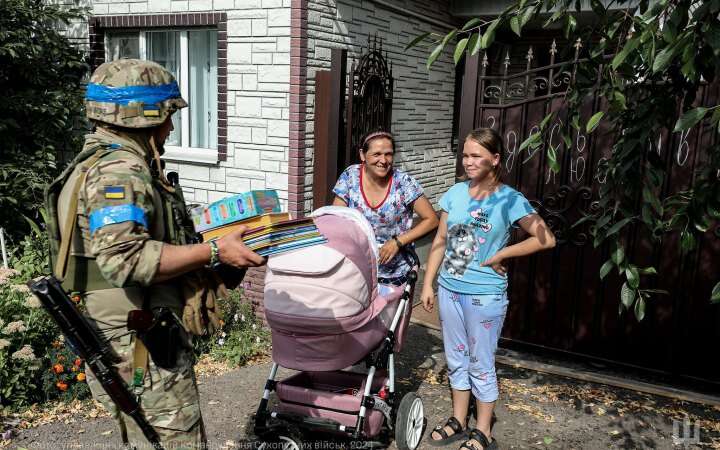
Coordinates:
(117,214)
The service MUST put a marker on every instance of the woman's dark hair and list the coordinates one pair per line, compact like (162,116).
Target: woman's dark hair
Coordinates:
(369,137)
(490,140)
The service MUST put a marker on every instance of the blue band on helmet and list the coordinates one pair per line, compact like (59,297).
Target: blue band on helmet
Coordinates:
(116,214)
(126,94)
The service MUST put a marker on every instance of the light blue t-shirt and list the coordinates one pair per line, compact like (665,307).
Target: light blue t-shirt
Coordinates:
(477,229)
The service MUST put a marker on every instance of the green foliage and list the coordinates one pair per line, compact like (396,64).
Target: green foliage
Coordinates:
(40,106)
(26,334)
(716,294)
(645,58)
(242,336)
(32,258)
(594,121)
(30,343)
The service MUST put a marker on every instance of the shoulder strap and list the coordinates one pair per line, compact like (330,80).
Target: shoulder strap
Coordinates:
(71,219)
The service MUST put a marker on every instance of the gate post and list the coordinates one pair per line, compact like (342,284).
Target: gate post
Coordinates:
(468,98)
(329,106)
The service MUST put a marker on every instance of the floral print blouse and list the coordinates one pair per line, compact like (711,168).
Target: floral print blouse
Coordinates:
(392,217)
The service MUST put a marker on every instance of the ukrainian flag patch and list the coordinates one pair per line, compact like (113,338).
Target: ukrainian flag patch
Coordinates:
(151,111)
(115,192)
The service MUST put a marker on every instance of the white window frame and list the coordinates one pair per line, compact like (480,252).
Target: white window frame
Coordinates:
(183,152)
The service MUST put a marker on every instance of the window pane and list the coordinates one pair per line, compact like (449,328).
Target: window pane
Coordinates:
(163,47)
(202,59)
(123,45)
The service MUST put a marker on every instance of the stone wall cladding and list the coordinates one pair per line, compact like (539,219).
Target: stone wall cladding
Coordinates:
(254,66)
(423,100)
(255,278)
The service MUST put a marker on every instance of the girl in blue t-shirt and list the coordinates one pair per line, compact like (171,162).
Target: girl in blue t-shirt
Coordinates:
(469,252)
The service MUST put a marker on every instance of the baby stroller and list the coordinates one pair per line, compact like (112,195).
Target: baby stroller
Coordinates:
(324,309)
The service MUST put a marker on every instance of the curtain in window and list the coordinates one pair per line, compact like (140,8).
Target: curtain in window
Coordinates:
(202,61)
(163,47)
(123,45)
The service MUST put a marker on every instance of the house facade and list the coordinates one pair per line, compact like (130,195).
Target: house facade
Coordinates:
(247,69)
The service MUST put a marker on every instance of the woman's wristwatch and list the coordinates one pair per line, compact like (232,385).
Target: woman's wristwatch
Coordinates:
(397,241)
(214,255)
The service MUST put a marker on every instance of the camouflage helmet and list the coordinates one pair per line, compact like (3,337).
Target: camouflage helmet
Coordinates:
(132,93)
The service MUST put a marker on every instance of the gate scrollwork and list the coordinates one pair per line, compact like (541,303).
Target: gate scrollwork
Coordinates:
(370,96)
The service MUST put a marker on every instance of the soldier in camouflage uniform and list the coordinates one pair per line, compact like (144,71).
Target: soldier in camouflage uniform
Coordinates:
(127,248)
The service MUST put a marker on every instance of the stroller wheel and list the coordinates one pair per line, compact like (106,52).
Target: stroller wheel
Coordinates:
(409,422)
(281,440)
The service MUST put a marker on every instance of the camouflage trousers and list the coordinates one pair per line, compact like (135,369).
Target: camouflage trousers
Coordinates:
(169,401)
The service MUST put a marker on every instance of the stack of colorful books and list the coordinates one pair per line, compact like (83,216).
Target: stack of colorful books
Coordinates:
(272,233)
(234,208)
(267,230)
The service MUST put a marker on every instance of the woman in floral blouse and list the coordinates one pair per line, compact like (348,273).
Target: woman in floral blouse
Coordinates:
(387,197)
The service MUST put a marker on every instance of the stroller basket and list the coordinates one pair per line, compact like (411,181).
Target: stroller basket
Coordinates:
(336,396)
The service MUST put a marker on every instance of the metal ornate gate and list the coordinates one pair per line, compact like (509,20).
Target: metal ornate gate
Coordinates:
(338,128)
(558,301)
(370,98)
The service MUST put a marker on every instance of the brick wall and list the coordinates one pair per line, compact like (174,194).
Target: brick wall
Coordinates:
(423,101)
(298,105)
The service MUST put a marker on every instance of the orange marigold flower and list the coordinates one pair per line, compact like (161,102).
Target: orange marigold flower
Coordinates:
(80,377)
(62,386)
(56,344)
(58,368)
(78,362)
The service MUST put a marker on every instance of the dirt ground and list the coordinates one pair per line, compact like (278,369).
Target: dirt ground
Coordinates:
(535,410)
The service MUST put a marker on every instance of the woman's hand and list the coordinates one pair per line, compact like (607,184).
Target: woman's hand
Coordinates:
(428,298)
(388,251)
(496,263)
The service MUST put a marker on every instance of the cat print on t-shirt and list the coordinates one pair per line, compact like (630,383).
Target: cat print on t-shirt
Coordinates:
(460,249)
(464,242)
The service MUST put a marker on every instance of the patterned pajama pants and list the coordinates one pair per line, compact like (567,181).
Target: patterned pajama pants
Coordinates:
(471,326)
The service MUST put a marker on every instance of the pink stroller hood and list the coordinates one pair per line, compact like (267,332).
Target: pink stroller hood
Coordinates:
(324,288)
(321,302)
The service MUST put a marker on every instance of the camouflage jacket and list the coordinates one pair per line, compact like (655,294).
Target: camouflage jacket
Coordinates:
(120,215)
